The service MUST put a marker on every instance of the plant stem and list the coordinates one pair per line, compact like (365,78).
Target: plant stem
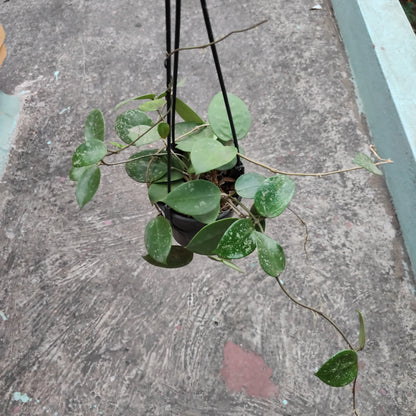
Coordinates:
(318,175)
(353,398)
(316,311)
(218,40)
(303,222)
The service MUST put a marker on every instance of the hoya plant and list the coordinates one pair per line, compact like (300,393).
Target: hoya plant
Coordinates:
(201,195)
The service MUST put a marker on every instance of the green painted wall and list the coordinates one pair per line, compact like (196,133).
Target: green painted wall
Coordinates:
(382,50)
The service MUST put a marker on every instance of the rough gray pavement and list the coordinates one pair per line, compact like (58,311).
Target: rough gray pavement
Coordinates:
(88,328)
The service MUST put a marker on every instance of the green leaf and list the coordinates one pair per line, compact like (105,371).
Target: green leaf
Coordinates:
(76,173)
(118,145)
(237,241)
(270,254)
(94,126)
(218,118)
(227,263)
(367,163)
(163,130)
(89,153)
(152,105)
(247,185)
(196,197)
(174,176)
(207,239)
(145,166)
(141,97)
(209,217)
(178,257)
(274,195)
(130,118)
(87,185)
(186,112)
(158,239)
(207,155)
(186,143)
(339,370)
(147,136)
(158,191)
(362,330)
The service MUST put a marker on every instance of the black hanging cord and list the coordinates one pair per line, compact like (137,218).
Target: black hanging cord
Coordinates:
(168,87)
(175,67)
(219,73)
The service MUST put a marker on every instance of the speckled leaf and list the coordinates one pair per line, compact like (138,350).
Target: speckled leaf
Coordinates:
(178,257)
(147,136)
(367,163)
(146,167)
(218,118)
(362,330)
(87,185)
(209,217)
(228,263)
(207,239)
(130,118)
(76,173)
(196,197)
(186,112)
(270,253)
(339,370)
(158,239)
(94,126)
(152,105)
(274,195)
(247,184)
(89,153)
(237,241)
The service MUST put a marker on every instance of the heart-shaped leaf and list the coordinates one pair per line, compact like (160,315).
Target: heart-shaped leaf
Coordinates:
(237,241)
(274,195)
(247,185)
(89,153)
(146,166)
(186,143)
(94,126)
(178,257)
(339,370)
(218,118)
(270,254)
(367,163)
(158,239)
(130,118)
(207,239)
(207,155)
(196,197)
(87,185)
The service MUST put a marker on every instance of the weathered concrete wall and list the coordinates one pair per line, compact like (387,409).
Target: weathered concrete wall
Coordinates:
(88,328)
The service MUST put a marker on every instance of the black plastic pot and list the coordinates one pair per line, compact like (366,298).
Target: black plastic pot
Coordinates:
(184,227)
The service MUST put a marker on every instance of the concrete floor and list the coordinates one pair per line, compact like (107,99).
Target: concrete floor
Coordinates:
(88,328)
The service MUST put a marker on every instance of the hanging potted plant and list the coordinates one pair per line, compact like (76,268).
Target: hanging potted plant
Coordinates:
(196,181)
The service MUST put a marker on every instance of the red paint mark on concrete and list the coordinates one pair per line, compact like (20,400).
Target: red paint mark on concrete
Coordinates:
(16,410)
(361,365)
(246,371)
(348,224)
(108,222)
(383,392)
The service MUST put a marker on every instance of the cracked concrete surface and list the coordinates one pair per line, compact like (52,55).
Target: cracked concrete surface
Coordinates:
(88,328)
